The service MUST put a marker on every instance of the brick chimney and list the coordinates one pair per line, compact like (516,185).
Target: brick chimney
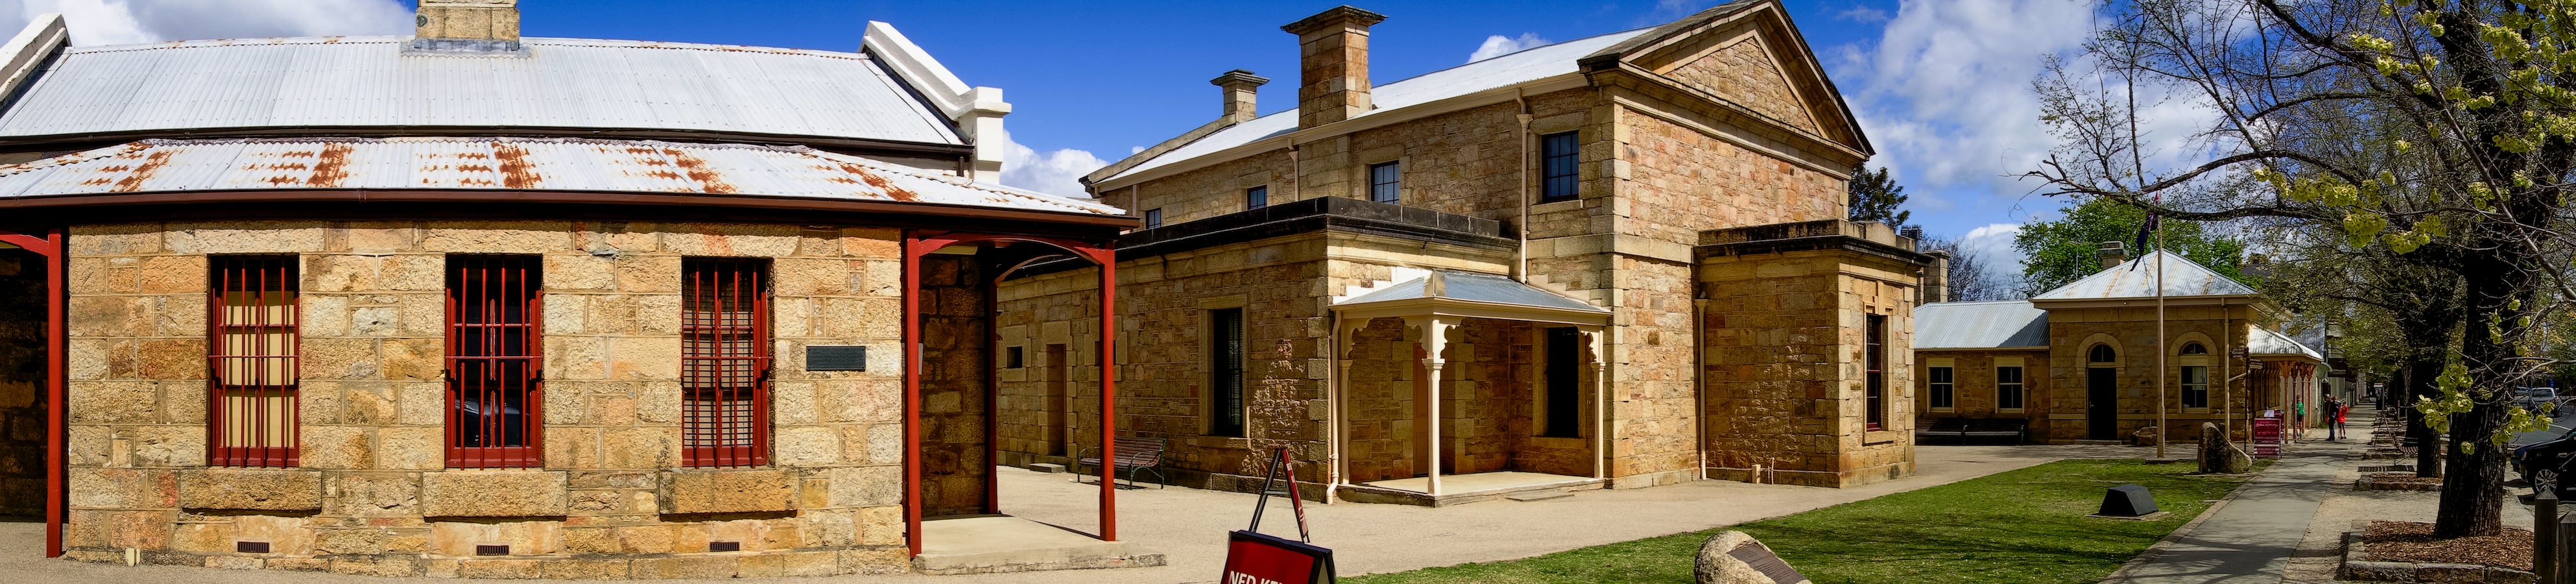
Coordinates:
(1239,88)
(2113,254)
(467,26)
(1332,64)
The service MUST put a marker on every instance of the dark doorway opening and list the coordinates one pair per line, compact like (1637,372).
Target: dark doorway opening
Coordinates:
(2101,406)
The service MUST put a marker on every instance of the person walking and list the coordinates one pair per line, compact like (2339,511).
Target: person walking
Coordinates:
(2332,410)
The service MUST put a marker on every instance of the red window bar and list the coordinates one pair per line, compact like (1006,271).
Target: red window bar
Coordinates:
(724,362)
(495,379)
(251,353)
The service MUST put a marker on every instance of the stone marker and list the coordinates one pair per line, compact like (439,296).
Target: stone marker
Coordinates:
(2217,455)
(1735,558)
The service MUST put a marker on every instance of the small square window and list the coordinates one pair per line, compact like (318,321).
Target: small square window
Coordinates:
(1256,197)
(1384,180)
(1011,358)
(1153,218)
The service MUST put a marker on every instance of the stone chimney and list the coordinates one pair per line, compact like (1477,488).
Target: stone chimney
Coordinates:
(1935,286)
(467,25)
(1239,88)
(2113,254)
(1332,63)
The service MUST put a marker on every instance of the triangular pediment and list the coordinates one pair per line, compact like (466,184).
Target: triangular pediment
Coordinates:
(1746,53)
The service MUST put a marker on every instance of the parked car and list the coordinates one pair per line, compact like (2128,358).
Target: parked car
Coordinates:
(2540,400)
(2547,461)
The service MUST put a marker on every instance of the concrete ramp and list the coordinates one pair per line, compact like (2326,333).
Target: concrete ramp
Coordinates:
(1001,543)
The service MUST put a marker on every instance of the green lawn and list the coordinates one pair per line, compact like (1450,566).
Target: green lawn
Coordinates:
(2026,525)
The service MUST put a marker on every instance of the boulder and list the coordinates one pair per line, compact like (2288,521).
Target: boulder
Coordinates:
(1735,558)
(2217,455)
(2145,436)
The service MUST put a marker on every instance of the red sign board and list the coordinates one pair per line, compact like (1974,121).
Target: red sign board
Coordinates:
(1259,558)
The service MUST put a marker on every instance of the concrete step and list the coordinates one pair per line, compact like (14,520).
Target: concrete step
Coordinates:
(1538,495)
(995,544)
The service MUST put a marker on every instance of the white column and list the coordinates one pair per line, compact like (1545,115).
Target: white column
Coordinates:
(1601,403)
(1435,338)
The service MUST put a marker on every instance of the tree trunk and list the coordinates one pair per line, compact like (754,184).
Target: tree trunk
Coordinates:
(2417,377)
(2473,485)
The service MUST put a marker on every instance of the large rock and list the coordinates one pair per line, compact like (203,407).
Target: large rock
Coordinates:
(1735,558)
(2217,455)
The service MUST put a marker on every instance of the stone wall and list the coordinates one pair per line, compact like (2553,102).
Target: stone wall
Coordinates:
(373,495)
(1973,384)
(2131,331)
(23,391)
(1783,364)
(956,362)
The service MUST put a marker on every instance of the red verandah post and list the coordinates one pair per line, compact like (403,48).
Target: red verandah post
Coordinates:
(1108,260)
(56,344)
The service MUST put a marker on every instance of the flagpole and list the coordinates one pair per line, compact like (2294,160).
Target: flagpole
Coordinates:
(2161,430)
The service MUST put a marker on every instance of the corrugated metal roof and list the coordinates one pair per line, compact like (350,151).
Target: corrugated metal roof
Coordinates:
(561,83)
(551,164)
(1980,325)
(1504,71)
(2137,279)
(1473,287)
(2260,341)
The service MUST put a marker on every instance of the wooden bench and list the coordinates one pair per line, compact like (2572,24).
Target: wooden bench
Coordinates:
(1963,429)
(1945,428)
(1134,455)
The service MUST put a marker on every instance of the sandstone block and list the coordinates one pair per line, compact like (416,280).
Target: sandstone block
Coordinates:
(697,568)
(727,491)
(250,489)
(494,493)
(500,569)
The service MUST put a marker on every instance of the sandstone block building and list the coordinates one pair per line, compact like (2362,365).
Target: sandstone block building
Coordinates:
(2080,363)
(1615,261)
(471,304)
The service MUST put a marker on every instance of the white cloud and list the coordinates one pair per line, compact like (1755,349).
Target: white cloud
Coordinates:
(114,22)
(1945,93)
(1863,15)
(1499,45)
(1993,246)
(1058,172)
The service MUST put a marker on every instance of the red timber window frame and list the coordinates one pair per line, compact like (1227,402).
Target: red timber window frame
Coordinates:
(495,361)
(724,362)
(252,304)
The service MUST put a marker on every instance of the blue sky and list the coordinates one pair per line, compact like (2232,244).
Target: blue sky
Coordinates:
(1942,87)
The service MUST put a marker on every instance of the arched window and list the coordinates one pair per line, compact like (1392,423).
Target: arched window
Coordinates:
(2102,354)
(2194,349)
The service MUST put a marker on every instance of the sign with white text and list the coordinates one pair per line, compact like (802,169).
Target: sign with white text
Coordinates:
(1259,558)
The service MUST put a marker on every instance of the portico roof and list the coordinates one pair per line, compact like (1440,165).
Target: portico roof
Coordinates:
(1469,294)
(2260,342)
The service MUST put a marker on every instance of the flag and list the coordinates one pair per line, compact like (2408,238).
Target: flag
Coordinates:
(2144,229)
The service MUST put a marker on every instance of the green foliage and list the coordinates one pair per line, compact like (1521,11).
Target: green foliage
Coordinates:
(2019,526)
(2056,253)
(1875,197)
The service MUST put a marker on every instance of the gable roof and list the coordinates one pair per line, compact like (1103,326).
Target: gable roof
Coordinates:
(352,82)
(1831,111)
(2261,341)
(2137,279)
(1980,325)
(1494,73)
(483,168)
(1472,287)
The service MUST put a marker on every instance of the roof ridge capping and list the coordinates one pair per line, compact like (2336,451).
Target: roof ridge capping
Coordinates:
(976,111)
(26,52)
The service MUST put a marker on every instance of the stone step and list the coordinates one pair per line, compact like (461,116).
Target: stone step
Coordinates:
(1539,495)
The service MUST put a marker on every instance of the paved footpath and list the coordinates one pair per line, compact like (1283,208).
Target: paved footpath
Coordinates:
(1189,525)
(2250,536)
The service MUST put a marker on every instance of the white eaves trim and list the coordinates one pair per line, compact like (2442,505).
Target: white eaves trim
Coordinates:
(977,111)
(27,51)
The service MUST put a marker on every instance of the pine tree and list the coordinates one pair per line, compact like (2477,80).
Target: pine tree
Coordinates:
(1875,197)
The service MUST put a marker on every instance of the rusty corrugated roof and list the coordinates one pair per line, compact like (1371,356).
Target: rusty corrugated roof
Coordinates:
(502,163)
(349,82)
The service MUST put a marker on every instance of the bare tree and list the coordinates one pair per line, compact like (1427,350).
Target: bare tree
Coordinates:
(2442,132)
(1970,280)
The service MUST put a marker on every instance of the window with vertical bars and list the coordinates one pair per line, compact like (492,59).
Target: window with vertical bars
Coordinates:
(1256,197)
(724,362)
(494,360)
(1225,358)
(251,348)
(1385,180)
(1944,390)
(1560,167)
(1876,359)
